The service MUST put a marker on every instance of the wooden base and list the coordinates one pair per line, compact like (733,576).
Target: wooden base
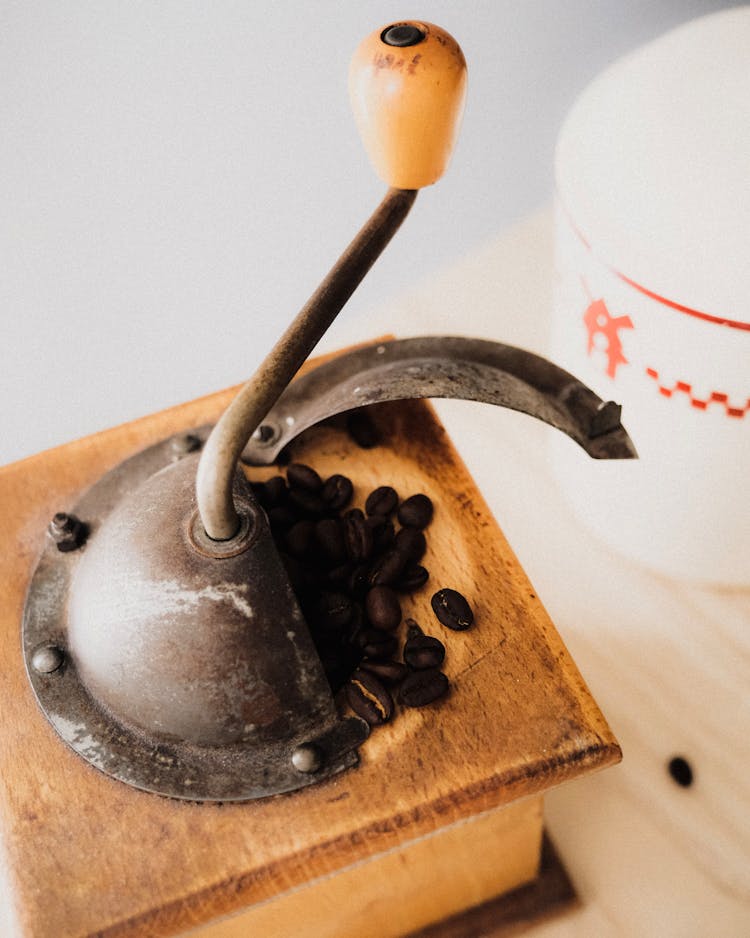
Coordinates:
(83,854)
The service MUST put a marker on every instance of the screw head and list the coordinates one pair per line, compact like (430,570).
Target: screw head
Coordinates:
(47,659)
(187,443)
(307,758)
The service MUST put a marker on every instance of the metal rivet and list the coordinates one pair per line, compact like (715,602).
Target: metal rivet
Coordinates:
(182,445)
(47,659)
(307,758)
(67,531)
(265,434)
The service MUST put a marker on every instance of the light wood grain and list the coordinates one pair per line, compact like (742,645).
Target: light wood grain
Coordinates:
(84,854)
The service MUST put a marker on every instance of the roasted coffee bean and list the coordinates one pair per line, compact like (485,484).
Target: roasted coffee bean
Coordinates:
(307,503)
(299,538)
(337,492)
(387,569)
(415,512)
(334,610)
(411,543)
(275,492)
(383,608)
(329,537)
(383,533)
(361,429)
(423,687)
(368,698)
(359,580)
(389,671)
(413,578)
(304,477)
(339,576)
(281,517)
(357,536)
(452,609)
(383,501)
(423,651)
(375,643)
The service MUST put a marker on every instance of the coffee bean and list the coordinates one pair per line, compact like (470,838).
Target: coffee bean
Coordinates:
(382,501)
(275,492)
(329,537)
(423,687)
(368,698)
(383,608)
(299,538)
(334,610)
(388,671)
(411,543)
(413,577)
(375,643)
(452,609)
(387,569)
(423,651)
(357,536)
(415,512)
(337,492)
(307,503)
(361,429)
(281,517)
(304,477)
(383,533)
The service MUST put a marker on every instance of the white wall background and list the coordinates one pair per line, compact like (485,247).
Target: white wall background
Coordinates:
(176,177)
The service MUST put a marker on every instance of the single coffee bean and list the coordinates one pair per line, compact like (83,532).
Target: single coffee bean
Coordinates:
(368,698)
(383,501)
(387,569)
(357,536)
(375,643)
(281,517)
(423,651)
(337,492)
(415,512)
(334,610)
(329,537)
(299,538)
(307,503)
(412,543)
(383,533)
(275,492)
(388,671)
(452,609)
(304,477)
(359,580)
(339,576)
(361,429)
(423,687)
(383,608)
(413,577)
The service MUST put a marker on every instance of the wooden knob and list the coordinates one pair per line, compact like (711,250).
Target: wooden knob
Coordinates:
(407,84)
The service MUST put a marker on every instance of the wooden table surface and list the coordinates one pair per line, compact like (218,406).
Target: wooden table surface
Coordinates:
(668,661)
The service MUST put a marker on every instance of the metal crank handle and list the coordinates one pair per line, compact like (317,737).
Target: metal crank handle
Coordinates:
(443,366)
(407,85)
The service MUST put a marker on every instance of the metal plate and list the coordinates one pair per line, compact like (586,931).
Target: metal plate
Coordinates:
(166,766)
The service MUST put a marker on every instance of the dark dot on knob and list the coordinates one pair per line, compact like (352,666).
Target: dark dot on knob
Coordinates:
(681,771)
(401,35)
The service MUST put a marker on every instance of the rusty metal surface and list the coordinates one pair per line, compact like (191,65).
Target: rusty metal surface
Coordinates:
(444,366)
(184,674)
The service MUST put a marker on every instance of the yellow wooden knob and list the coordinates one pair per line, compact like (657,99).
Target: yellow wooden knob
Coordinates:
(407,84)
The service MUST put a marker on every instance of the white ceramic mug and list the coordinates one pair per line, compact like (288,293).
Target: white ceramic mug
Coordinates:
(652,298)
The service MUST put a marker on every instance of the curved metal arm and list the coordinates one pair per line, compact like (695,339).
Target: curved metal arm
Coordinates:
(442,366)
(222,451)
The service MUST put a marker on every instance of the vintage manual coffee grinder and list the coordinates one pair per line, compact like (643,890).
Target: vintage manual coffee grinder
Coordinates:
(164,643)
